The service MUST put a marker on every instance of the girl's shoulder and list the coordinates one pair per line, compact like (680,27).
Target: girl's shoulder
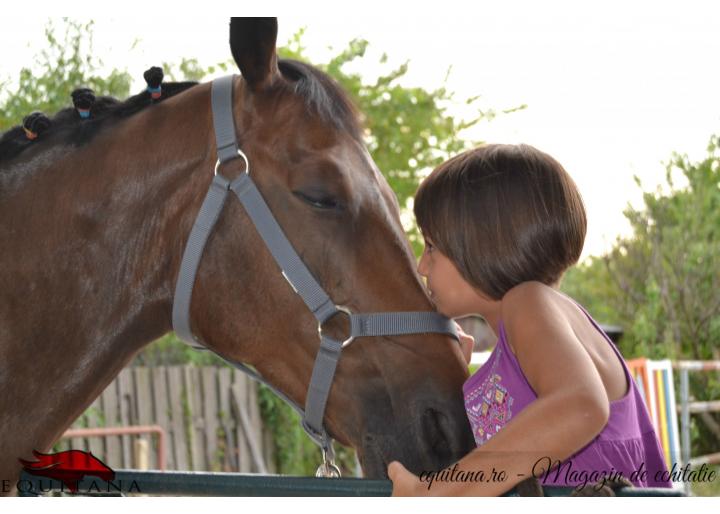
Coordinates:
(544,326)
(536,314)
(534,307)
(529,310)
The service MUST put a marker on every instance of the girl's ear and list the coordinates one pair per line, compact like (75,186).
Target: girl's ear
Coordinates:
(252,42)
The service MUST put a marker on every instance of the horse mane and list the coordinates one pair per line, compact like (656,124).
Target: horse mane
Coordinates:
(73,130)
(321,93)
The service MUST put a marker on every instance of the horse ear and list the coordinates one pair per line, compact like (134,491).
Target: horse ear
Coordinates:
(252,42)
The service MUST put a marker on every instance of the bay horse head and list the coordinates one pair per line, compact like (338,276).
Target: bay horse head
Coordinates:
(94,269)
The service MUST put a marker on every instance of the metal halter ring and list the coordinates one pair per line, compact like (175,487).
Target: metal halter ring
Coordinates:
(240,154)
(345,310)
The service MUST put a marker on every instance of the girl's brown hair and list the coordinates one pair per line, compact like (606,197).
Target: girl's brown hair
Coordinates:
(504,214)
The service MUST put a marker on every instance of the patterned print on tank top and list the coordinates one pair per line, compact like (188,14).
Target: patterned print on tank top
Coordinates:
(489,406)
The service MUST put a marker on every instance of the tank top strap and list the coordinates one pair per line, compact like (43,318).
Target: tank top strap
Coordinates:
(509,360)
(502,337)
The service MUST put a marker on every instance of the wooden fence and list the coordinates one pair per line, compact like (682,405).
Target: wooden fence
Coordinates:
(210,416)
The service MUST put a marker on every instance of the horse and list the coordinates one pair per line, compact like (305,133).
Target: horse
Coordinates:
(96,214)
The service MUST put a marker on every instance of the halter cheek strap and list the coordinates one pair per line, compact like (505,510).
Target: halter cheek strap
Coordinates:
(295,272)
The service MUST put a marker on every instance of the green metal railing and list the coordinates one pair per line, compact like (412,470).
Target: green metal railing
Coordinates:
(157,483)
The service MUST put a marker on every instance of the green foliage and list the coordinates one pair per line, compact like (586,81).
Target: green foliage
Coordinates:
(710,487)
(295,453)
(169,350)
(192,70)
(65,64)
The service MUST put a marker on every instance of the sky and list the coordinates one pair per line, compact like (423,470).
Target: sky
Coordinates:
(612,88)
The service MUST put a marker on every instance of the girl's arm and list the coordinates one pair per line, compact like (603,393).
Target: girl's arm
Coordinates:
(571,409)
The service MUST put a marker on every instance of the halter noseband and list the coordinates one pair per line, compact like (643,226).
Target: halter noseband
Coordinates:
(295,272)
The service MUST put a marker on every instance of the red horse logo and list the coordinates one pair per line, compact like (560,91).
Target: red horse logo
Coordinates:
(68,467)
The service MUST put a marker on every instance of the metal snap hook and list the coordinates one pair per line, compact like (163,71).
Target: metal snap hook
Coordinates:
(328,469)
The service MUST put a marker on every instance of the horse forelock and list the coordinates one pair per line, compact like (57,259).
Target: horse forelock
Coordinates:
(323,95)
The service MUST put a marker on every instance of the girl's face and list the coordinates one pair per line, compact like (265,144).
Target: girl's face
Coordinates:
(452,295)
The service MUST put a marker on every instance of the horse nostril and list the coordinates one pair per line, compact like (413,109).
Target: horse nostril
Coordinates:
(435,434)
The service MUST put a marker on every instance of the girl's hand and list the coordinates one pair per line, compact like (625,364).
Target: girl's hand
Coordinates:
(404,482)
(466,343)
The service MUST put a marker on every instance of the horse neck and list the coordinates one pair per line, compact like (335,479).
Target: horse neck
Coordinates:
(91,248)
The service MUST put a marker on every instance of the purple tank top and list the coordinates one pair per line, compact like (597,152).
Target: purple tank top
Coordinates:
(628,443)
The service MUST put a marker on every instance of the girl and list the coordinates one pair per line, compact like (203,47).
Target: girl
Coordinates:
(555,400)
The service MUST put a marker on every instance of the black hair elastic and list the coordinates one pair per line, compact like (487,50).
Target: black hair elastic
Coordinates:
(83,99)
(35,124)
(154,77)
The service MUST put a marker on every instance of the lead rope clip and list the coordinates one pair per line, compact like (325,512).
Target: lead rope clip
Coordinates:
(328,469)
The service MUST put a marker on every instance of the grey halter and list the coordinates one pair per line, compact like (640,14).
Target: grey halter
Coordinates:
(295,272)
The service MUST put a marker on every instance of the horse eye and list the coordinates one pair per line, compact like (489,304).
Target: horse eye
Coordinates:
(320,202)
